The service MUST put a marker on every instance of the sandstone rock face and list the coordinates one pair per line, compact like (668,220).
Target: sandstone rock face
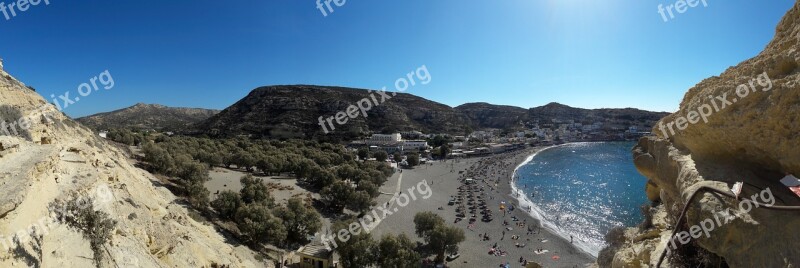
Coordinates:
(53,158)
(751,137)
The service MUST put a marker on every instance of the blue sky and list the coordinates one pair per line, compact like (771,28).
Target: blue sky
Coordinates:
(210,54)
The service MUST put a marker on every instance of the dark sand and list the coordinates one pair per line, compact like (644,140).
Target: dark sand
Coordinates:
(443,178)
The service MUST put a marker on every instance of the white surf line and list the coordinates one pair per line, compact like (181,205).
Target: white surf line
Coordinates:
(538,213)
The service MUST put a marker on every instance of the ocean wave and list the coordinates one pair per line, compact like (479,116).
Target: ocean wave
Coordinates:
(580,218)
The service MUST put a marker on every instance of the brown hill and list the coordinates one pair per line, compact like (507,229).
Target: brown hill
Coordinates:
(294,112)
(148,116)
(484,115)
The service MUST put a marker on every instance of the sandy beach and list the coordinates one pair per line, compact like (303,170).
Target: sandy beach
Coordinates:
(493,175)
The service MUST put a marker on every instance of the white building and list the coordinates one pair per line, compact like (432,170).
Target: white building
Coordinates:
(378,139)
(415,145)
(482,135)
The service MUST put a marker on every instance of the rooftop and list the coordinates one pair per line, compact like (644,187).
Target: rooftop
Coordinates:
(317,251)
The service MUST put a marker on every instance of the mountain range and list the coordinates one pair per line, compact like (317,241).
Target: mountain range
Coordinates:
(294,111)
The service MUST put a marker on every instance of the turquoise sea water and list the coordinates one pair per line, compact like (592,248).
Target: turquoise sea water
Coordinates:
(583,190)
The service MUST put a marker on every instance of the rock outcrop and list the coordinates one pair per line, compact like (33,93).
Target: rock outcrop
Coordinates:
(46,156)
(751,137)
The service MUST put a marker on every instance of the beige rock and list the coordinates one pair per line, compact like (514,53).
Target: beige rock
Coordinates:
(753,140)
(51,160)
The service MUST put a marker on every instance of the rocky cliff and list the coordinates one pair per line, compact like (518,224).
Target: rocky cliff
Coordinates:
(751,135)
(45,156)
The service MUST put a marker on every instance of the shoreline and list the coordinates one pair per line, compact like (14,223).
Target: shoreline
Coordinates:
(522,200)
(520,159)
(520,239)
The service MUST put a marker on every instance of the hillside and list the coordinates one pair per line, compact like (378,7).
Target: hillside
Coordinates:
(750,137)
(148,116)
(55,158)
(484,115)
(294,111)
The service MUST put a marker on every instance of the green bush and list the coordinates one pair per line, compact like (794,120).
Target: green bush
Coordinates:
(258,225)
(80,215)
(397,251)
(380,156)
(300,221)
(227,204)
(255,191)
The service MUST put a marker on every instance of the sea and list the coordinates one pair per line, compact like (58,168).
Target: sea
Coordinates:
(582,190)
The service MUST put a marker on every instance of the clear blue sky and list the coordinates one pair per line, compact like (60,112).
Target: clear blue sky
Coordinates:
(201,53)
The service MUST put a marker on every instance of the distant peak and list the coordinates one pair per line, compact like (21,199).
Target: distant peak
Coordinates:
(556,105)
(145,105)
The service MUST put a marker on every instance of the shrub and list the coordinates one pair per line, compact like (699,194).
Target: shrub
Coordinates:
(227,204)
(337,195)
(80,215)
(381,156)
(255,191)
(363,153)
(259,226)
(783,67)
(441,238)
(397,251)
(358,251)
(413,160)
(300,221)
(360,201)
(197,194)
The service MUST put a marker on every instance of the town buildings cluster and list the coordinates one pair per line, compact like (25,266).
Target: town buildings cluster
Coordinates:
(491,141)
